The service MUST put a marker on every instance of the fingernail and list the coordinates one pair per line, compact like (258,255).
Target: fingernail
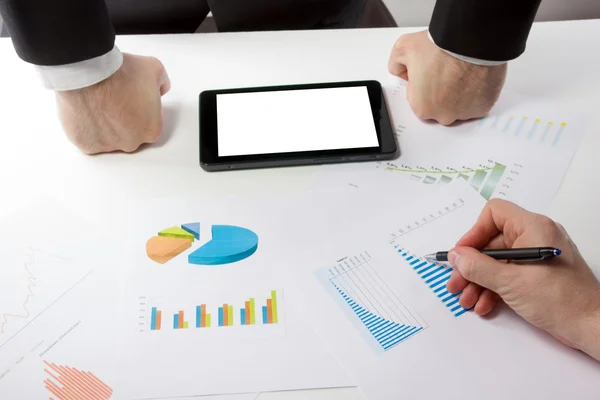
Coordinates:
(453,257)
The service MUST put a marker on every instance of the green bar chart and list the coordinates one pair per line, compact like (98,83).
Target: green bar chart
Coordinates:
(485,179)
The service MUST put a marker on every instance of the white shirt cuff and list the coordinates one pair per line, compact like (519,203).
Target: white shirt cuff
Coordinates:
(471,60)
(81,74)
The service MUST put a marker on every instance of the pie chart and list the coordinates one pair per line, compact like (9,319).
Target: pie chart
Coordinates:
(228,244)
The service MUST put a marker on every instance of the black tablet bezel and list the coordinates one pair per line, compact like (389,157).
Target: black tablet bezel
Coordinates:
(209,150)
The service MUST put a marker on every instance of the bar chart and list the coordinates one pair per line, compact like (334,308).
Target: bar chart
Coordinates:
(531,129)
(435,277)
(372,306)
(66,383)
(489,179)
(238,313)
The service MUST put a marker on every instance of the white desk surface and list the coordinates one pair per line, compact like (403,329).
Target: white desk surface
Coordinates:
(561,62)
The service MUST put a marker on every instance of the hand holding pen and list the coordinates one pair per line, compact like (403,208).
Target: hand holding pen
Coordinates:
(558,294)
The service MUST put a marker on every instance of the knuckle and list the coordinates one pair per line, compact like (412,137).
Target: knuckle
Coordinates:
(401,43)
(546,224)
(446,120)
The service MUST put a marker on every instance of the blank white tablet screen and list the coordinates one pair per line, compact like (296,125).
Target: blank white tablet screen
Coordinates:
(295,120)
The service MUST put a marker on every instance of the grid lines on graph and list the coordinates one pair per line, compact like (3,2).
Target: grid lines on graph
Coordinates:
(379,310)
(435,276)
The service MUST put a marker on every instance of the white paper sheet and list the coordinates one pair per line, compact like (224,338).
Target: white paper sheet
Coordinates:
(59,298)
(520,153)
(445,352)
(233,359)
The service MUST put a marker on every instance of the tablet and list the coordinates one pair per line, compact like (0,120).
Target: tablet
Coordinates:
(294,125)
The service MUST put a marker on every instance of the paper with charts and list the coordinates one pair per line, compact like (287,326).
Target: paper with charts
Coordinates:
(519,152)
(387,316)
(202,304)
(57,308)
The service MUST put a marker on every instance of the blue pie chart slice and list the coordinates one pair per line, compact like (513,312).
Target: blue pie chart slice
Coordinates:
(228,245)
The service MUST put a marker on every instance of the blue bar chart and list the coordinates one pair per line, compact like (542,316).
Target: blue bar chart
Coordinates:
(537,130)
(370,303)
(435,277)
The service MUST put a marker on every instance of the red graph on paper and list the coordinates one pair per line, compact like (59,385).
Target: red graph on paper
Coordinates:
(67,383)
(24,313)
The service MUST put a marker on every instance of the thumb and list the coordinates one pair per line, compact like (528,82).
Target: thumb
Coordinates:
(479,268)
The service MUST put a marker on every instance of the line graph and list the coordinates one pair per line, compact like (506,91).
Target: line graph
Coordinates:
(47,278)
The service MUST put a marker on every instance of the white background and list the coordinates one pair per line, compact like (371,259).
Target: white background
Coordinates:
(295,120)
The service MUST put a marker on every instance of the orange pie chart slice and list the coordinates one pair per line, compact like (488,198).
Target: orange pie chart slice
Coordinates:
(162,249)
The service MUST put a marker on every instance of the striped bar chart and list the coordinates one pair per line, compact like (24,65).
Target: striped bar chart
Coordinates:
(435,276)
(66,383)
(242,312)
(370,303)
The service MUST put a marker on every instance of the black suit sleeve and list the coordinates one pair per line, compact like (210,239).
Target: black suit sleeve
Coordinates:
(493,30)
(58,32)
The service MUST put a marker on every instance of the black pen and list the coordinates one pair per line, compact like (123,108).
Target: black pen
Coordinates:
(531,254)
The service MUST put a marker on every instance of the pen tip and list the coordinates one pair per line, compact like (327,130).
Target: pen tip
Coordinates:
(557,252)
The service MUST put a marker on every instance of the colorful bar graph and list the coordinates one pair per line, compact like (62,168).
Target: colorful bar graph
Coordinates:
(492,182)
(478,179)
(153,319)
(274,305)
(226,314)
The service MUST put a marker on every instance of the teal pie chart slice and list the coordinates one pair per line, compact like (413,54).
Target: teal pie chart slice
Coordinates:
(229,244)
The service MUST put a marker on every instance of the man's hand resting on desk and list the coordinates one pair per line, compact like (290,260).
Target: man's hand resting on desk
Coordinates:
(440,86)
(561,296)
(119,113)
